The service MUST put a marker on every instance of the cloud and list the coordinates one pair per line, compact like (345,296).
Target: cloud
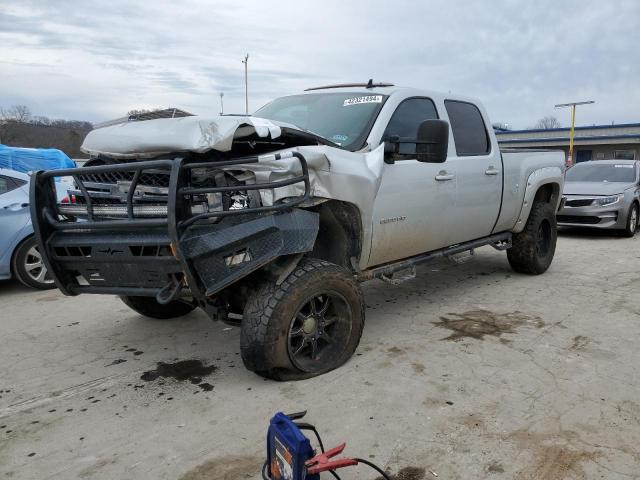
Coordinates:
(97,60)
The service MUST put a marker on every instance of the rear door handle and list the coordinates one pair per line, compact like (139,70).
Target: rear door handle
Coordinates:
(16,206)
(443,176)
(491,171)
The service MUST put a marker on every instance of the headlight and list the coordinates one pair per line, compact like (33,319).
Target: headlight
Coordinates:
(606,201)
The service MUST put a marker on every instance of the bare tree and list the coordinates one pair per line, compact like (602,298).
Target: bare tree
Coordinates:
(18,128)
(547,123)
(16,113)
(40,120)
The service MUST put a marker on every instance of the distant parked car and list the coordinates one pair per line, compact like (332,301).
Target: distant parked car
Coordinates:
(602,194)
(19,254)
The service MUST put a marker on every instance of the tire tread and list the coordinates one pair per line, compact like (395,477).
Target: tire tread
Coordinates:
(522,254)
(259,311)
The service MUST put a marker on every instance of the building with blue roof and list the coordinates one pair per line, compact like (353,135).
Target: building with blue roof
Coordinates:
(598,142)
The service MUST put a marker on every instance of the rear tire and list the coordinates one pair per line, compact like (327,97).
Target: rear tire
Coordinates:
(534,247)
(308,325)
(28,266)
(632,222)
(149,307)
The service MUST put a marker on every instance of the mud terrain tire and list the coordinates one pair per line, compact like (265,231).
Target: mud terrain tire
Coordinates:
(308,325)
(534,247)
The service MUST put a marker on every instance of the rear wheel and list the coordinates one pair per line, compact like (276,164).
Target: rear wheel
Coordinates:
(534,247)
(632,222)
(29,268)
(149,307)
(308,325)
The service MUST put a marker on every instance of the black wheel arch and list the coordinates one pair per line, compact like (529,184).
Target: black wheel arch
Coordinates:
(548,193)
(339,238)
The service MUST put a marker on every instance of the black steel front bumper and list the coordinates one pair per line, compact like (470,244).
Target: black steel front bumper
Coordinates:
(182,252)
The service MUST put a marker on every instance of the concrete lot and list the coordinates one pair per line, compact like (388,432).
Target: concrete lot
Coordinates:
(467,371)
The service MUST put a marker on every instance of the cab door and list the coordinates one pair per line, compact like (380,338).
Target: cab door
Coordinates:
(479,174)
(411,208)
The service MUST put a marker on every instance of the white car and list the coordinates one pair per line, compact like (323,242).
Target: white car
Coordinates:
(19,253)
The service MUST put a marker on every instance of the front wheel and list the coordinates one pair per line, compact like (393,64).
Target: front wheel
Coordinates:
(533,248)
(306,326)
(29,268)
(632,222)
(149,307)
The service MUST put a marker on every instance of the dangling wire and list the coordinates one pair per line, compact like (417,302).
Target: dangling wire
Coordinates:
(374,466)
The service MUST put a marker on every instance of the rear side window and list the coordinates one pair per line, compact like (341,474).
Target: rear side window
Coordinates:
(7,184)
(407,118)
(469,132)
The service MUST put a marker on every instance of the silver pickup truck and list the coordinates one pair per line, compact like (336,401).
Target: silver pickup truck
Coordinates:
(270,221)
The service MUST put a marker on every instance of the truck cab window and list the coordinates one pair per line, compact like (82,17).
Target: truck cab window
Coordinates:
(469,132)
(407,118)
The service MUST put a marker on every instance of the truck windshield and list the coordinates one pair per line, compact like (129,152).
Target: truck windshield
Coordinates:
(601,172)
(342,118)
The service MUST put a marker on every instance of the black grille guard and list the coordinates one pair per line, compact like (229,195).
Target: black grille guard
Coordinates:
(151,256)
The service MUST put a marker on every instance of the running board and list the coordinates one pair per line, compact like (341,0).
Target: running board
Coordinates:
(500,241)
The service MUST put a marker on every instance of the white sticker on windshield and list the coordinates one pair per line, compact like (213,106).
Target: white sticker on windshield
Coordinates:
(623,166)
(365,99)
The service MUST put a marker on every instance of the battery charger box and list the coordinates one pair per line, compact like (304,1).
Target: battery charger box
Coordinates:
(287,450)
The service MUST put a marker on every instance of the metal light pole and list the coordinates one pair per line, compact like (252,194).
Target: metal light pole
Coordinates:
(221,103)
(246,84)
(573,124)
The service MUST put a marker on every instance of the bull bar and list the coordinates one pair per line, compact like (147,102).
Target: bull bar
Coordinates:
(181,255)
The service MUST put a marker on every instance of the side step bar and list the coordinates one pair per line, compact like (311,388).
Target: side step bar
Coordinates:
(499,241)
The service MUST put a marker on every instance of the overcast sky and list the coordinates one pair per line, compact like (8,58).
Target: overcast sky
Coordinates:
(97,60)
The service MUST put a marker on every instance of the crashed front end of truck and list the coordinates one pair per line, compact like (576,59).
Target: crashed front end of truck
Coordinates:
(179,226)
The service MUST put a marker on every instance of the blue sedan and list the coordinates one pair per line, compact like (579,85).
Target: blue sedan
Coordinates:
(19,255)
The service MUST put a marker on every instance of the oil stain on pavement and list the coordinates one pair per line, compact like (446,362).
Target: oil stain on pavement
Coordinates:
(192,370)
(478,323)
(557,462)
(554,455)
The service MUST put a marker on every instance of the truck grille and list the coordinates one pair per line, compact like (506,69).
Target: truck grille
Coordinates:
(151,179)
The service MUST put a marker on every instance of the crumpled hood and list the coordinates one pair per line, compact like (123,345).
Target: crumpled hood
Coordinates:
(186,134)
(595,188)
(334,173)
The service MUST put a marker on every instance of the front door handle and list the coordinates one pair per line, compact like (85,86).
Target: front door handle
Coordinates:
(443,176)
(491,171)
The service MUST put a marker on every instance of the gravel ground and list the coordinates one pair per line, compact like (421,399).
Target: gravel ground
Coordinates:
(467,371)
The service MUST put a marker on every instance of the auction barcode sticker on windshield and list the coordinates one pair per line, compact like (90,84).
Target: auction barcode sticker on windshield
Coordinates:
(364,99)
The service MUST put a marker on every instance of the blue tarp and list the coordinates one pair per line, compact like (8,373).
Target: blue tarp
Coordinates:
(27,159)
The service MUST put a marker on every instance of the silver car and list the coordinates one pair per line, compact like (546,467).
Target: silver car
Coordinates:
(602,194)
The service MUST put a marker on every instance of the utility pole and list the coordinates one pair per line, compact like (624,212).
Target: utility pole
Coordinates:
(246,84)
(221,103)
(571,159)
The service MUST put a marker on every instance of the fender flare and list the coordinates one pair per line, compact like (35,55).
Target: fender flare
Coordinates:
(537,179)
